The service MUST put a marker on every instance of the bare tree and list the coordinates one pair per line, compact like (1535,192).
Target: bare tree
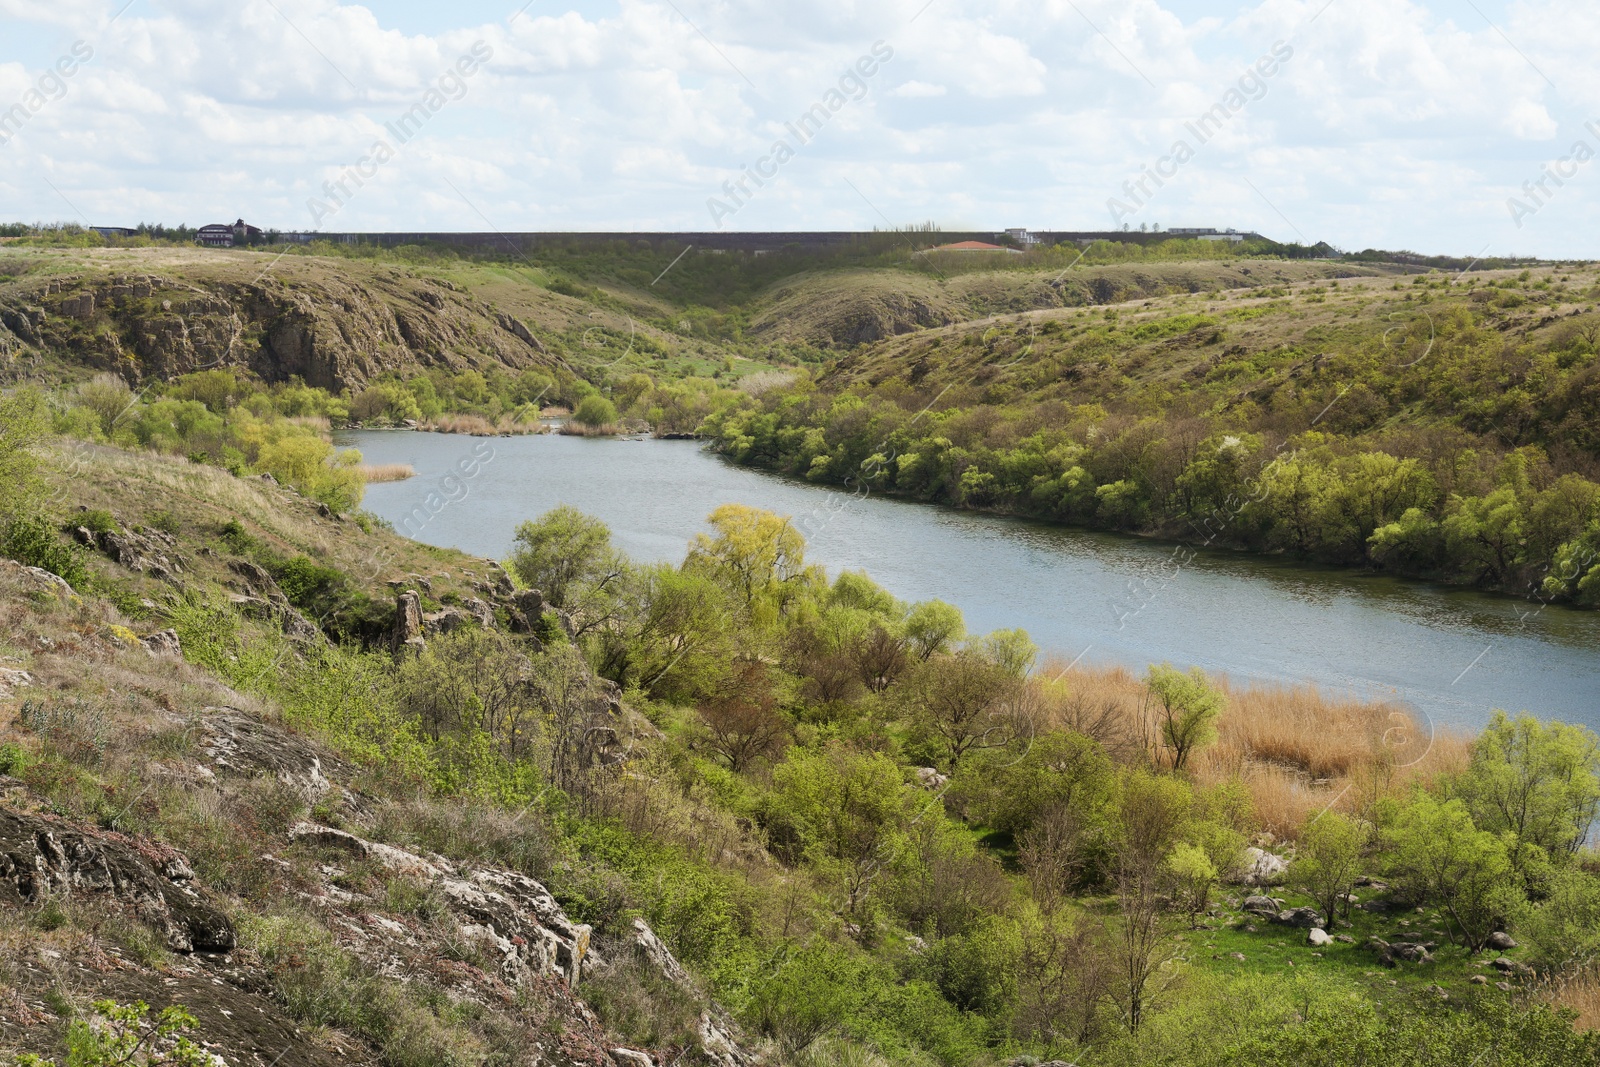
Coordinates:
(743,724)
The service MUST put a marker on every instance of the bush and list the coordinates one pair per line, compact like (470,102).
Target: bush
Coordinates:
(595,411)
(33,543)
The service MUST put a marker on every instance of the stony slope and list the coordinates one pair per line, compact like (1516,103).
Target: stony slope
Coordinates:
(167,838)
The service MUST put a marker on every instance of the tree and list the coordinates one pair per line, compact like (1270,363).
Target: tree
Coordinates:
(1539,782)
(933,626)
(566,555)
(1437,853)
(960,702)
(1188,708)
(122,1035)
(1193,876)
(1327,860)
(742,723)
(846,812)
(1012,650)
(1152,812)
(1059,769)
(469,681)
(760,554)
(108,397)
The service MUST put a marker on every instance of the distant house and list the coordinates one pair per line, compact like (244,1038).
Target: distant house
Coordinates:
(976,246)
(221,235)
(114,231)
(1021,235)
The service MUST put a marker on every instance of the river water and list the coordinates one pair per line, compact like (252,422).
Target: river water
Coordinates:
(1453,654)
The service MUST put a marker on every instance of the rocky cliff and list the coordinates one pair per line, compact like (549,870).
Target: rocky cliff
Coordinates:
(331,324)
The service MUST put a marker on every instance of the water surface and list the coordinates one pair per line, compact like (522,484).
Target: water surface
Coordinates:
(1453,653)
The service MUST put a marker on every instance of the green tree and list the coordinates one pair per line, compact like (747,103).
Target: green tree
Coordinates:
(759,554)
(1437,853)
(1058,769)
(1538,782)
(1327,861)
(933,626)
(1187,710)
(1011,650)
(566,555)
(962,702)
(1193,875)
(811,993)
(845,812)
(1563,929)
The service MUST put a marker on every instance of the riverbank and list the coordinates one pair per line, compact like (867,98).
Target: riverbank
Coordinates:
(1109,599)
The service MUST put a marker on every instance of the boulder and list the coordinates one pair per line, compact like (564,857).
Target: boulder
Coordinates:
(1318,937)
(163,643)
(627,1057)
(1503,965)
(930,778)
(1391,955)
(1500,941)
(656,951)
(1302,917)
(1259,905)
(1263,868)
(11,680)
(407,632)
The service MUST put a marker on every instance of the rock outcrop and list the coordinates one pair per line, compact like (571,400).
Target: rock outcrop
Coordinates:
(40,856)
(333,328)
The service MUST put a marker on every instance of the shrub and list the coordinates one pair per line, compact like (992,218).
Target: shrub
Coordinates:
(595,411)
(33,543)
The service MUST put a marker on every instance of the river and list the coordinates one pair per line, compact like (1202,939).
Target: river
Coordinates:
(1454,654)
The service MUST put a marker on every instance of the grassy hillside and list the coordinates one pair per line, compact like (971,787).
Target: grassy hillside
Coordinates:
(1434,425)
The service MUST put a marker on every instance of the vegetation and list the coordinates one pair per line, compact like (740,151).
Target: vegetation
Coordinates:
(1068,890)
(870,835)
(1436,429)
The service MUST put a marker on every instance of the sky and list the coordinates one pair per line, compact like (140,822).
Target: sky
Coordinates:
(1447,126)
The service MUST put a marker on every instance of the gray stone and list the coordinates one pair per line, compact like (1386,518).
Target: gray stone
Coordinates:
(163,643)
(1303,917)
(1500,941)
(1263,868)
(1318,937)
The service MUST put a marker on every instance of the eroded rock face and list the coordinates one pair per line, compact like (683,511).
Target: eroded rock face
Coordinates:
(336,330)
(239,746)
(39,856)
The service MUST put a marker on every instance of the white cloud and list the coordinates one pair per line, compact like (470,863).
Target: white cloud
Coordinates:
(1397,123)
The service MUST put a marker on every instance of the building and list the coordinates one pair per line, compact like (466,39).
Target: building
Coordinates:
(975,246)
(221,235)
(1022,237)
(114,231)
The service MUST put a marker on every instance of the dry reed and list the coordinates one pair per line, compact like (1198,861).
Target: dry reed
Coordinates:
(318,423)
(478,426)
(1296,749)
(1580,992)
(387,472)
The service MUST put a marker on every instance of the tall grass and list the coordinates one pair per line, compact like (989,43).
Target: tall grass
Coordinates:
(1296,748)
(1581,993)
(387,472)
(478,426)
